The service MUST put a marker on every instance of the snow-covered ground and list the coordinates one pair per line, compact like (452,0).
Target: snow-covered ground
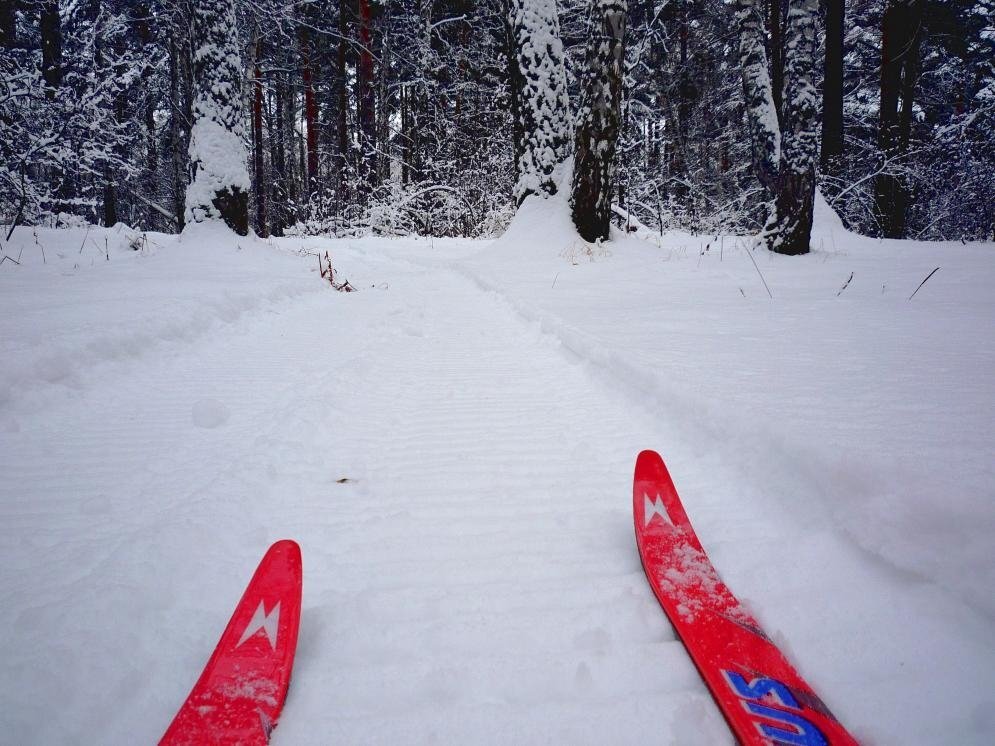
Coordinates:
(452,447)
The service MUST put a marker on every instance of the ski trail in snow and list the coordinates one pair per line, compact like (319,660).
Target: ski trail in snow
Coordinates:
(473,579)
(458,475)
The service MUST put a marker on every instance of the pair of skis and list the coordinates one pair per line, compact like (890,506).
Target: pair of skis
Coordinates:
(241,692)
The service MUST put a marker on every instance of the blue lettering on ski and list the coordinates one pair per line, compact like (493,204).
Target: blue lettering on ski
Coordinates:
(759,688)
(798,730)
(806,734)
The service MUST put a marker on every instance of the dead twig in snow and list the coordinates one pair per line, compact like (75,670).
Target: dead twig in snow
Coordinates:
(923,282)
(329,274)
(845,284)
(84,239)
(750,254)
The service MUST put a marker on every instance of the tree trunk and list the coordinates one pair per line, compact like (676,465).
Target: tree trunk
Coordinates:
(600,118)
(790,230)
(832,86)
(516,84)
(382,137)
(367,116)
(278,158)
(901,33)
(51,47)
(258,170)
(221,184)
(177,120)
(343,100)
(310,110)
(544,105)
(404,95)
(8,24)
(776,45)
(765,133)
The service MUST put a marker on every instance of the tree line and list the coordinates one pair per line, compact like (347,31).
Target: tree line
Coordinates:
(441,116)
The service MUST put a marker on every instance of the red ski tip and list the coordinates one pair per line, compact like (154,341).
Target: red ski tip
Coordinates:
(763,698)
(239,695)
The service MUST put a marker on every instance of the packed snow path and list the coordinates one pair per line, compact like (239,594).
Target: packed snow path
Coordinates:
(458,477)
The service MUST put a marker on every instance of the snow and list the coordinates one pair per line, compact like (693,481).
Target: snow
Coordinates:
(452,447)
(220,158)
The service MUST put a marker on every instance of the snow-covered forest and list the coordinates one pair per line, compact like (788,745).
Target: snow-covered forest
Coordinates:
(412,283)
(409,117)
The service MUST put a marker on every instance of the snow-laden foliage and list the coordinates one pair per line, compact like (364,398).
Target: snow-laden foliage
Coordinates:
(221,182)
(97,109)
(684,154)
(65,90)
(948,168)
(543,103)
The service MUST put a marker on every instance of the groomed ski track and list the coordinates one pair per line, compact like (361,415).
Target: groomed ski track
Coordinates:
(456,467)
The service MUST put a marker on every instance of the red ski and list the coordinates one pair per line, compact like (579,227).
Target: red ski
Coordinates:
(238,697)
(764,700)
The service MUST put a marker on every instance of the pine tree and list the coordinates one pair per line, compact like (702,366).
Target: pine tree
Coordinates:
(220,187)
(599,120)
(543,103)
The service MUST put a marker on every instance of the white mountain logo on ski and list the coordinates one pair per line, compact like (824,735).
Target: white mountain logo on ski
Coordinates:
(655,507)
(265,622)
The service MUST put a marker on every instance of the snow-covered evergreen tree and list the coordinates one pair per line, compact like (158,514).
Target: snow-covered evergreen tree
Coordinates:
(543,102)
(220,187)
(599,120)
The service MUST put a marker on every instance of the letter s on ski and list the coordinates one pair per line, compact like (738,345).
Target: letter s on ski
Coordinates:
(798,730)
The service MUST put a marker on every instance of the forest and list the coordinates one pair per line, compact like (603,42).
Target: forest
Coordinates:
(437,117)
(570,371)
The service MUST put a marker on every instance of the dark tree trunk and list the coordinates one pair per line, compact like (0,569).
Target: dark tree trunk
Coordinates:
(288,143)
(142,24)
(343,98)
(114,70)
(367,115)
(597,131)
(832,86)
(310,110)
(178,119)
(776,44)
(382,135)
(901,33)
(790,231)
(8,24)
(404,95)
(258,170)
(278,158)
(516,84)
(51,46)
(110,204)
